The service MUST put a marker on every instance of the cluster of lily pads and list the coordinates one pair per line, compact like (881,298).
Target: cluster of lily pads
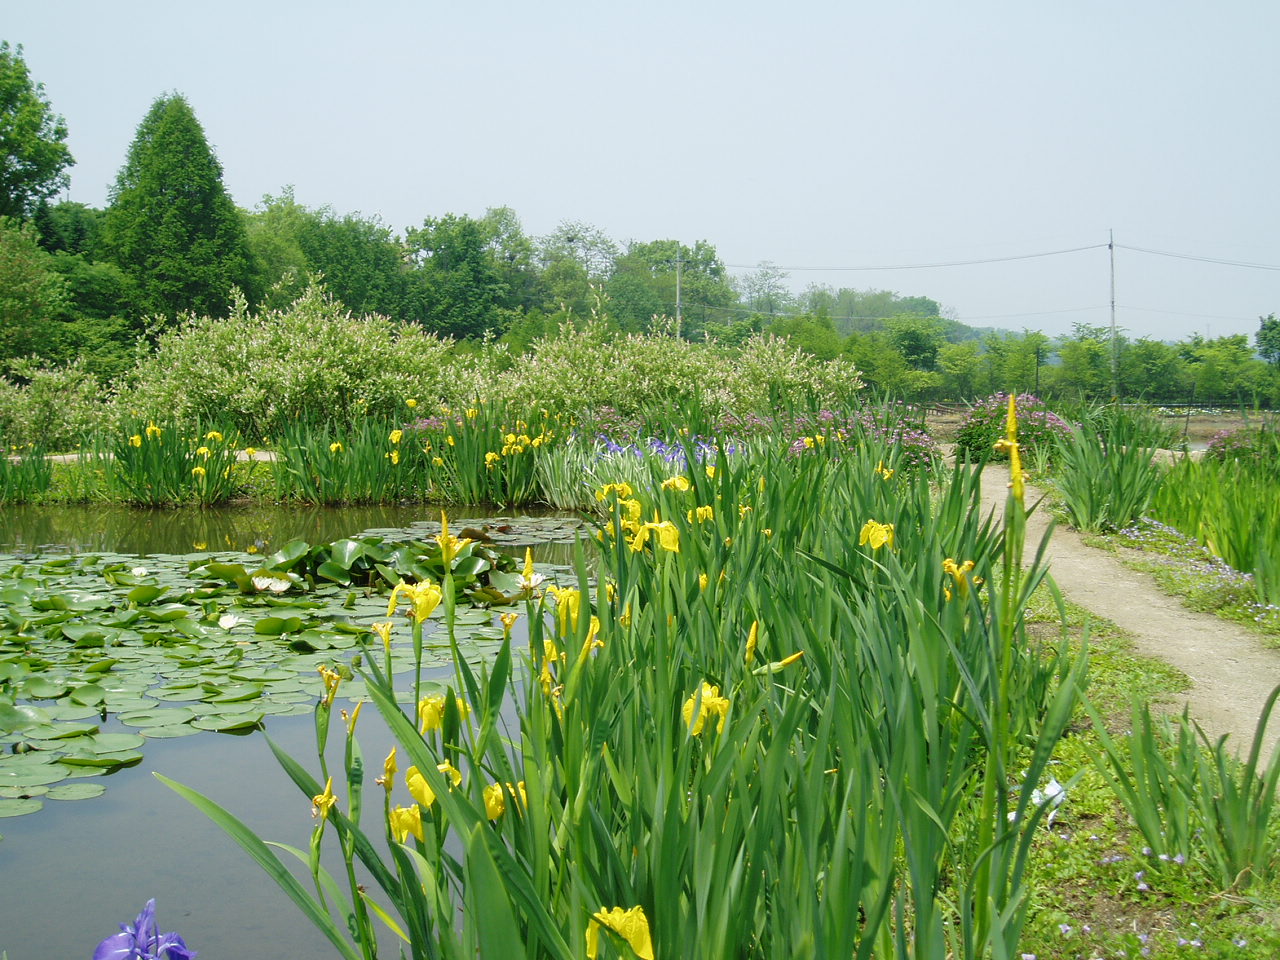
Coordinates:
(99,653)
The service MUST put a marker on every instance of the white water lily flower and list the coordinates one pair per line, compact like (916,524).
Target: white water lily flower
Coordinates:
(139,571)
(229,621)
(272,584)
(530,582)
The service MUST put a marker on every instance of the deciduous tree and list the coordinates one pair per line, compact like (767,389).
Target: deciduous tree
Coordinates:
(33,157)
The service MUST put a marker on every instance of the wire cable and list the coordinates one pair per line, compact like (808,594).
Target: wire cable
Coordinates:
(1187,256)
(926,266)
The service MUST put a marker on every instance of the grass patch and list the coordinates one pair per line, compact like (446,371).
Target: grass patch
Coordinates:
(1095,892)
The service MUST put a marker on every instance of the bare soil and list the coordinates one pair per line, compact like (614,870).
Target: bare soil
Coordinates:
(1231,672)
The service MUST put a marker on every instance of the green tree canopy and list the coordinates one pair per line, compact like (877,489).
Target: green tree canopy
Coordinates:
(643,285)
(33,296)
(1268,339)
(33,156)
(461,288)
(361,260)
(170,225)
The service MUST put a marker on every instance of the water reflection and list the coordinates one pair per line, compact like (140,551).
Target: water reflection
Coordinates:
(95,528)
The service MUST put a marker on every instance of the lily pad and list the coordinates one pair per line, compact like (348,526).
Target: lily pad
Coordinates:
(16,807)
(15,793)
(170,732)
(76,791)
(165,717)
(124,758)
(32,776)
(226,723)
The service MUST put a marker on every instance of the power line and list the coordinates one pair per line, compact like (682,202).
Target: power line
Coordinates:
(1187,256)
(926,266)
(1179,313)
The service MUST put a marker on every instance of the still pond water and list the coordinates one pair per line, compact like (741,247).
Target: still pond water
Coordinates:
(75,870)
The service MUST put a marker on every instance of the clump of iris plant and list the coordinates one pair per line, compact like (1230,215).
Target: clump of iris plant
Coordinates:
(141,941)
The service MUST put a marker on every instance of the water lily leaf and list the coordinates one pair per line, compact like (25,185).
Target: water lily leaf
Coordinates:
(76,791)
(66,710)
(111,742)
(20,717)
(264,674)
(15,793)
(276,626)
(287,556)
(189,628)
(182,695)
(166,612)
(237,692)
(17,807)
(146,593)
(31,776)
(169,716)
(61,731)
(124,758)
(170,732)
(224,723)
(87,694)
(45,688)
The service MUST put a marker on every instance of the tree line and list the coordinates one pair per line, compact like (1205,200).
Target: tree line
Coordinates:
(96,286)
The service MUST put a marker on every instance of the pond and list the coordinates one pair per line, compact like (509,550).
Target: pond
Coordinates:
(88,528)
(75,870)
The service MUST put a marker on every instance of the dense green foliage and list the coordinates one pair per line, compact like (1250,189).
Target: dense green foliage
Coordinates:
(33,156)
(170,226)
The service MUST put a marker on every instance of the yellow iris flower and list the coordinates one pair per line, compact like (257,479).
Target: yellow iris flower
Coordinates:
(632,925)
(959,574)
(668,536)
(449,544)
(431,712)
(424,596)
(707,702)
(876,534)
(420,790)
(322,803)
(495,802)
(389,771)
(405,821)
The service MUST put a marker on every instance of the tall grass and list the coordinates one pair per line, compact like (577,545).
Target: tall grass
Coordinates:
(1192,799)
(25,473)
(1231,509)
(1106,470)
(798,715)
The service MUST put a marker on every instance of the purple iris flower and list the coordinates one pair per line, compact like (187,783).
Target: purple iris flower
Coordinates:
(140,941)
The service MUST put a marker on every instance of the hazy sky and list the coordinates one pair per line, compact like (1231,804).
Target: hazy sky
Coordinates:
(808,134)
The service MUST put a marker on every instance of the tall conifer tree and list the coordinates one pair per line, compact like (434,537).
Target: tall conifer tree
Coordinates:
(170,225)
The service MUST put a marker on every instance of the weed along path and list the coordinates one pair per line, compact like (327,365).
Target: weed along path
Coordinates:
(1231,672)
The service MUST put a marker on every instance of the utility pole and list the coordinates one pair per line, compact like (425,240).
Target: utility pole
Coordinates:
(679,264)
(1115,348)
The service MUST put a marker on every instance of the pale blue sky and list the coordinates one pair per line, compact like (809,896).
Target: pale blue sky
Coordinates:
(809,134)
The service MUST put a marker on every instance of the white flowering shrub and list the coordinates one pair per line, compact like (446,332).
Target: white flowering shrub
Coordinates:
(53,408)
(310,361)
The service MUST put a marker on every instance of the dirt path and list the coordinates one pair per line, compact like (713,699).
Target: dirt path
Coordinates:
(1232,673)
